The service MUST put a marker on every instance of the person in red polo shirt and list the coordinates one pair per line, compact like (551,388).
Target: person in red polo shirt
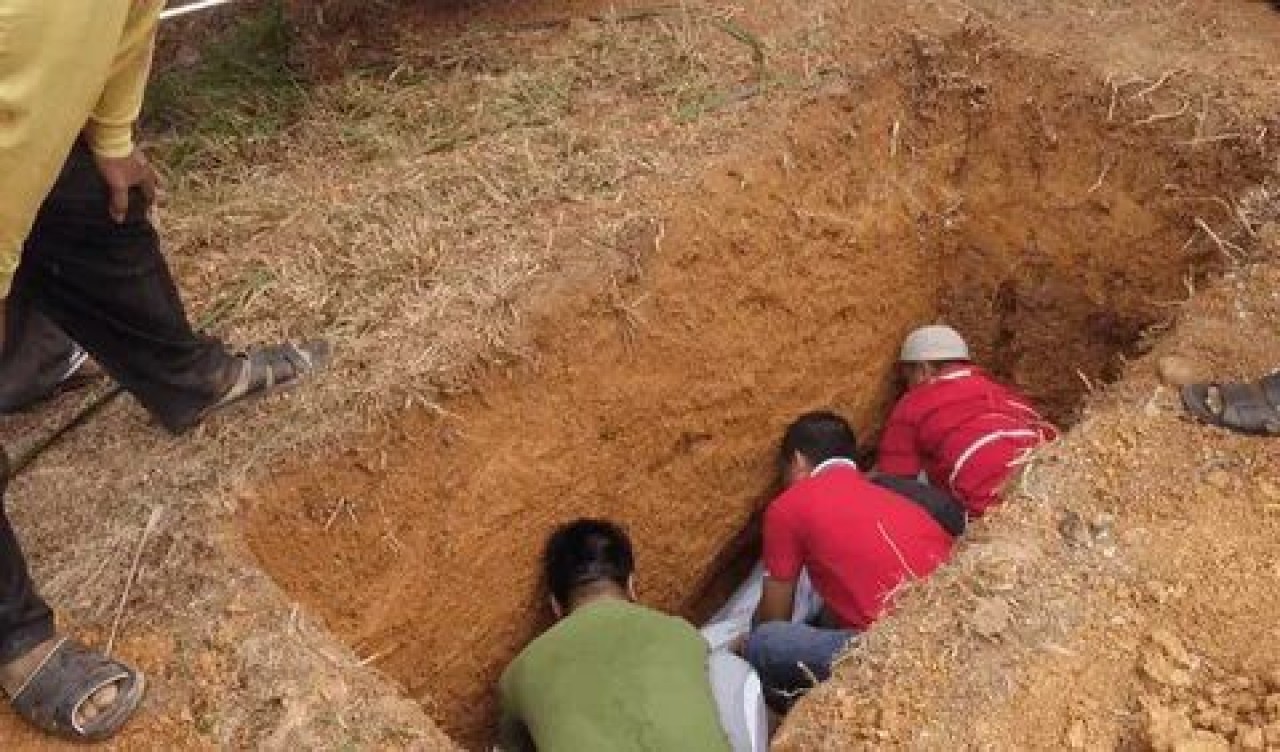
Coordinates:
(860,544)
(965,431)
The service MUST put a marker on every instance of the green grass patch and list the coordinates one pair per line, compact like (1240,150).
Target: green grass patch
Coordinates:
(241,93)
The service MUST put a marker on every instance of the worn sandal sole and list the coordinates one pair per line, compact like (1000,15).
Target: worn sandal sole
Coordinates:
(1245,408)
(67,677)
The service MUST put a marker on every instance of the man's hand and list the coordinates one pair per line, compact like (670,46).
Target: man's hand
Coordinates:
(122,174)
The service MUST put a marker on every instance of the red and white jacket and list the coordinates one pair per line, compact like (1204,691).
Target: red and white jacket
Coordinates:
(965,431)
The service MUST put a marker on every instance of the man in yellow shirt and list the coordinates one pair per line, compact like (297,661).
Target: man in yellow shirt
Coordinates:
(79,260)
(80,263)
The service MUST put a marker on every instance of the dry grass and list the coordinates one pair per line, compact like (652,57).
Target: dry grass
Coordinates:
(407,216)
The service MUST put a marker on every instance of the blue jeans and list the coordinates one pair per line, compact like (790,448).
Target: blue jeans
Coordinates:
(791,657)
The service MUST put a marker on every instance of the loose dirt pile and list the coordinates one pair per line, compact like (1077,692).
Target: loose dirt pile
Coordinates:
(585,264)
(1192,703)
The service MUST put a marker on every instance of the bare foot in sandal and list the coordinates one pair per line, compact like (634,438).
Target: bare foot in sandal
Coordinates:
(266,370)
(69,690)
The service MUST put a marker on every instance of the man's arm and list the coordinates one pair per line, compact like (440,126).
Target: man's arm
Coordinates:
(513,734)
(898,453)
(777,601)
(783,561)
(109,131)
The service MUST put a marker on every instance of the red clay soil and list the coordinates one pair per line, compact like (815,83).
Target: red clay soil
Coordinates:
(782,283)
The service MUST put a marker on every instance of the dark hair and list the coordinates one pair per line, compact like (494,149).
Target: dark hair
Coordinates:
(583,552)
(818,437)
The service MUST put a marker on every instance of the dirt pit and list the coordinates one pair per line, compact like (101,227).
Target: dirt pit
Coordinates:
(1053,218)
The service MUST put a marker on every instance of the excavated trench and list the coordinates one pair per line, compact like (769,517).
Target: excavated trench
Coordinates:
(962,182)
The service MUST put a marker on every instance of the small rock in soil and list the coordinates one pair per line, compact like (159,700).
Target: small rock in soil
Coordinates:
(1269,491)
(1074,530)
(1244,703)
(1251,737)
(1165,727)
(1176,370)
(1202,741)
(1161,670)
(1077,735)
(1173,648)
(991,617)
(1241,683)
(1272,732)
(1218,478)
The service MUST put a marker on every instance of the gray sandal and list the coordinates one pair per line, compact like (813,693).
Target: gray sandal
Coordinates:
(1246,408)
(270,369)
(51,697)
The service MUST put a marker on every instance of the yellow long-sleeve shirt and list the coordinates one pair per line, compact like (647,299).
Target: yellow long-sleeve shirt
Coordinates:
(66,67)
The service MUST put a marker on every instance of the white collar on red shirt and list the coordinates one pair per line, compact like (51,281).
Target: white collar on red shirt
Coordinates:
(959,372)
(833,462)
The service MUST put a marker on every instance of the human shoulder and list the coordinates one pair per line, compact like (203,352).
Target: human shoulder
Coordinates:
(912,402)
(645,616)
(676,629)
(786,503)
(794,507)
(610,616)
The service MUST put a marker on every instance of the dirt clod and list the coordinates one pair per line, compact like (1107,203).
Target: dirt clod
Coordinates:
(1202,741)
(1166,728)
(1173,648)
(1272,732)
(1273,680)
(991,617)
(1219,479)
(1159,669)
(1077,735)
(1176,370)
(1251,737)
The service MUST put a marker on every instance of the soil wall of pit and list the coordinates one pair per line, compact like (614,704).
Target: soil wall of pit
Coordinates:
(964,182)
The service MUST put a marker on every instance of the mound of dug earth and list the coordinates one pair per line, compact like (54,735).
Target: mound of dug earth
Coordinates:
(1195,704)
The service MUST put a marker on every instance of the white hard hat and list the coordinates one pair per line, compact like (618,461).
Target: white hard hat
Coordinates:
(934,342)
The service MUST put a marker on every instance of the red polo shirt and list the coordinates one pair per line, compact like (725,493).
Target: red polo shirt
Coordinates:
(859,541)
(966,431)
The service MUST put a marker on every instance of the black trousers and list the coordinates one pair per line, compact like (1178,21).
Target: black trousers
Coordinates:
(108,288)
(944,509)
(25,620)
(36,357)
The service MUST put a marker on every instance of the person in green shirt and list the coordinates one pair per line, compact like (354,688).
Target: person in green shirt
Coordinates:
(614,676)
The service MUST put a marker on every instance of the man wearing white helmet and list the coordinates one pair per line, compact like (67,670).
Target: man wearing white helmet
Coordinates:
(957,425)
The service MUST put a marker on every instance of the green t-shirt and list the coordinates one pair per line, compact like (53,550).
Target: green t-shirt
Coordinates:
(613,677)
